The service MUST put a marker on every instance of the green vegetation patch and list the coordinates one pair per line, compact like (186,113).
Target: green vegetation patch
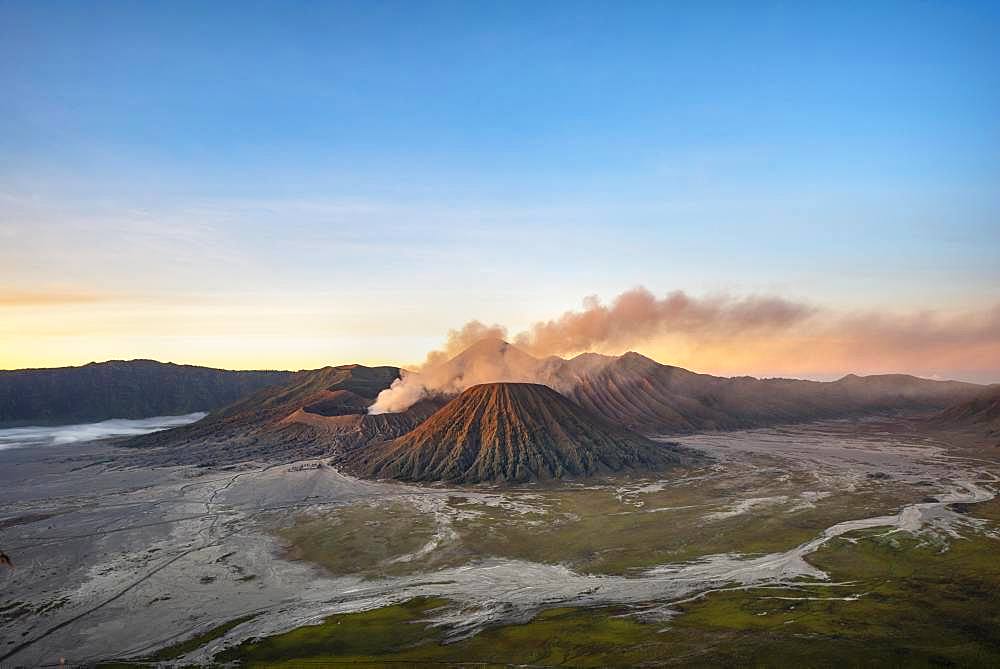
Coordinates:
(988,510)
(351,638)
(906,603)
(196,642)
(916,605)
(598,531)
(399,634)
(361,539)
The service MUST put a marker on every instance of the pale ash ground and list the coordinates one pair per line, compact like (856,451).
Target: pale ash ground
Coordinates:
(117,562)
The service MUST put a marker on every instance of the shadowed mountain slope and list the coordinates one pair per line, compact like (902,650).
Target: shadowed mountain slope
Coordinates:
(324,412)
(121,389)
(511,432)
(316,413)
(644,395)
(979,416)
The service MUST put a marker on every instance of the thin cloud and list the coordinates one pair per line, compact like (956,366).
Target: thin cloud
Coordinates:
(46,298)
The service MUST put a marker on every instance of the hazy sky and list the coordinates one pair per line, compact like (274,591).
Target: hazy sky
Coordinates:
(298,184)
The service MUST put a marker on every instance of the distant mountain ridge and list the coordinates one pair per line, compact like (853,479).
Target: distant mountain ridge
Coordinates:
(513,433)
(121,389)
(979,415)
(324,412)
(653,398)
(650,397)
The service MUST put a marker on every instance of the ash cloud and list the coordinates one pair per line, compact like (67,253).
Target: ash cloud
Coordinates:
(632,317)
(461,339)
(637,315)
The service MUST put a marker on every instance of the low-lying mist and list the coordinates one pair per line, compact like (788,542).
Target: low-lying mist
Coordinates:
(17,437)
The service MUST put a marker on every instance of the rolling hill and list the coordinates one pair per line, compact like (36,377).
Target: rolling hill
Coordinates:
(121,389)
(979,416)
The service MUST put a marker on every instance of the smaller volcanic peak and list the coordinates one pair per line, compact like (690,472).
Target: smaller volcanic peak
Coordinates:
(492,348)
(486,361)
(489,360)
(510,432)
(317,413)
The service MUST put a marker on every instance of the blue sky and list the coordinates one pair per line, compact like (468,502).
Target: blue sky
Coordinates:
(447,161)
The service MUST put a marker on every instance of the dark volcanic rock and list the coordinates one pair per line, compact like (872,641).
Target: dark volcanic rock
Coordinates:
(511,432)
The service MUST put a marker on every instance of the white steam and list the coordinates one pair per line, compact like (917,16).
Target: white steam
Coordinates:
(632,317)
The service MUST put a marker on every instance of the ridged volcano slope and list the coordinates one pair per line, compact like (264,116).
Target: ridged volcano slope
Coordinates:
(510,432)
(317,413)
(121,389)
(651,398)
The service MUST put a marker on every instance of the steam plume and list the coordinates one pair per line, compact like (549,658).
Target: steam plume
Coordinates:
(632,317)
(637,315)
(773,332)
(432,378)
(463,338)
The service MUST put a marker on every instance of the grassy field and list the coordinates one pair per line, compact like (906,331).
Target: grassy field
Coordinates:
(360,539)
(908,602)
(915,606)
(593,531)
(606,530)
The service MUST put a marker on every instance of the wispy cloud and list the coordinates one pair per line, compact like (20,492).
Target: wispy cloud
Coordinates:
(46,298)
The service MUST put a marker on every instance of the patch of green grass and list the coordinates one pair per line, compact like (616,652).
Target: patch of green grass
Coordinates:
(196,642)
(398,634)
(918,606)
(348,638)
(361,539)
(593,531)
(988,510)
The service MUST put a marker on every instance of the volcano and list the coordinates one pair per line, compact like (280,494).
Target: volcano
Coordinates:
(318,412)
(648,397)
(335,410)
(511,432)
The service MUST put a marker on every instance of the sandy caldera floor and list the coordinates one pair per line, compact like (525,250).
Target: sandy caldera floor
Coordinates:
(115,560)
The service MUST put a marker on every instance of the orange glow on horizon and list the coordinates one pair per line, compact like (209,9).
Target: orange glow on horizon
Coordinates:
(66,328)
